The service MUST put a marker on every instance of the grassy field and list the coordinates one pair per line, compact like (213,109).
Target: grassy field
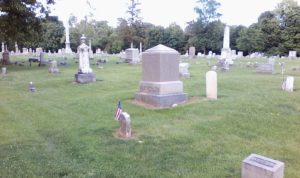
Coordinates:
(66,129)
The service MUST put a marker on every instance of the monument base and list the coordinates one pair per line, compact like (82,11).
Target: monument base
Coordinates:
(161,101)
(85,78)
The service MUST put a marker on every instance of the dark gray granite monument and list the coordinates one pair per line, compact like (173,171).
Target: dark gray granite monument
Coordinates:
(160,86)
(85,73)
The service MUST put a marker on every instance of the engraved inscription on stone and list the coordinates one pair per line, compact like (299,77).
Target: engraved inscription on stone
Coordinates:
(149,89)
(263,162)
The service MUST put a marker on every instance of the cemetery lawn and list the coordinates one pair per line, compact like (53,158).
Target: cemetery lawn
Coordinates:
(66,129)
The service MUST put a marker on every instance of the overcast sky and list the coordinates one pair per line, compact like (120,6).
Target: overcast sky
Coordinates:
(164,12)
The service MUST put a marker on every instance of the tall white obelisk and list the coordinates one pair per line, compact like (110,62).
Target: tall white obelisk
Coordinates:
(226,51)
(68,49)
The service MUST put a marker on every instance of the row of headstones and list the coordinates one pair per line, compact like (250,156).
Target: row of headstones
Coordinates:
(191,53)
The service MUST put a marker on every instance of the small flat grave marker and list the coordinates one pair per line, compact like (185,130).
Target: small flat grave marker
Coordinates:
(257,166)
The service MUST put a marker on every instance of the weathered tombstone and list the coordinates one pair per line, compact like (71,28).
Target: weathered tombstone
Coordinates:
(184,70)
(240,54)
(211,85)
(2,47)
(160,86)
(5,58)
(31,87)
(288,84)
(132,56)
(42,61)
(3,70)
(16,47)
(257,166)
(209,55)
(53,67)
(85,73)
(292,54)
(38,51)
(192,52)
(125,125)
(265,68)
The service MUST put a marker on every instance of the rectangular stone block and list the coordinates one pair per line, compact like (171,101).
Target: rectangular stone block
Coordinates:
(160,67)
(256,166)
(265,68)
(85,78)
(161,101)
(161,88)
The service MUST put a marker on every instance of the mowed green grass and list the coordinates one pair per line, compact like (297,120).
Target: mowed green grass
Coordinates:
(66,129)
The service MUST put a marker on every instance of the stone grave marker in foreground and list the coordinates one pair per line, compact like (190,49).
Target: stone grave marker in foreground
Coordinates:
(211,85)
(125,125)
(256,166)
(160,86)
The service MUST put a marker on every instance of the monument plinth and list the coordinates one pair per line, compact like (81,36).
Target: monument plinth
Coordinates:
(85,73)
(160,86)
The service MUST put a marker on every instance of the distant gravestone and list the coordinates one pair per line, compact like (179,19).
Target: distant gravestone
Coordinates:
(292,54)
(53,67)
(2,47)
(288,84)
(125,125)
(16,48)
(211,85)
(38,50)
(31,87)
(184,70)
(132,56)
(85,73)
(256,166)
(240,54)
(42,61)
(192,52)
(3,70)
(265,68)
(5,58)
(160,86)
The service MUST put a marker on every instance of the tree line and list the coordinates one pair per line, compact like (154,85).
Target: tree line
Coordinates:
(276,32)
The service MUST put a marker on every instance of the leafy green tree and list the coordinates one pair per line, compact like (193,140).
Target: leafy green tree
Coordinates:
(207,11)
(288,14)
(234,35)
(98,31)
(251,40)
(206,33)
(174,37)
(52,34)
(154,36)
(21,21)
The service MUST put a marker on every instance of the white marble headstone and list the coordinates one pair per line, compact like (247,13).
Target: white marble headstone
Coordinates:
(211,85)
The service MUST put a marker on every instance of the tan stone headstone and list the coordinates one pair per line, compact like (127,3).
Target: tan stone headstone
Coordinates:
(288,84)
(211,85)
(192,52)
(160,85)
